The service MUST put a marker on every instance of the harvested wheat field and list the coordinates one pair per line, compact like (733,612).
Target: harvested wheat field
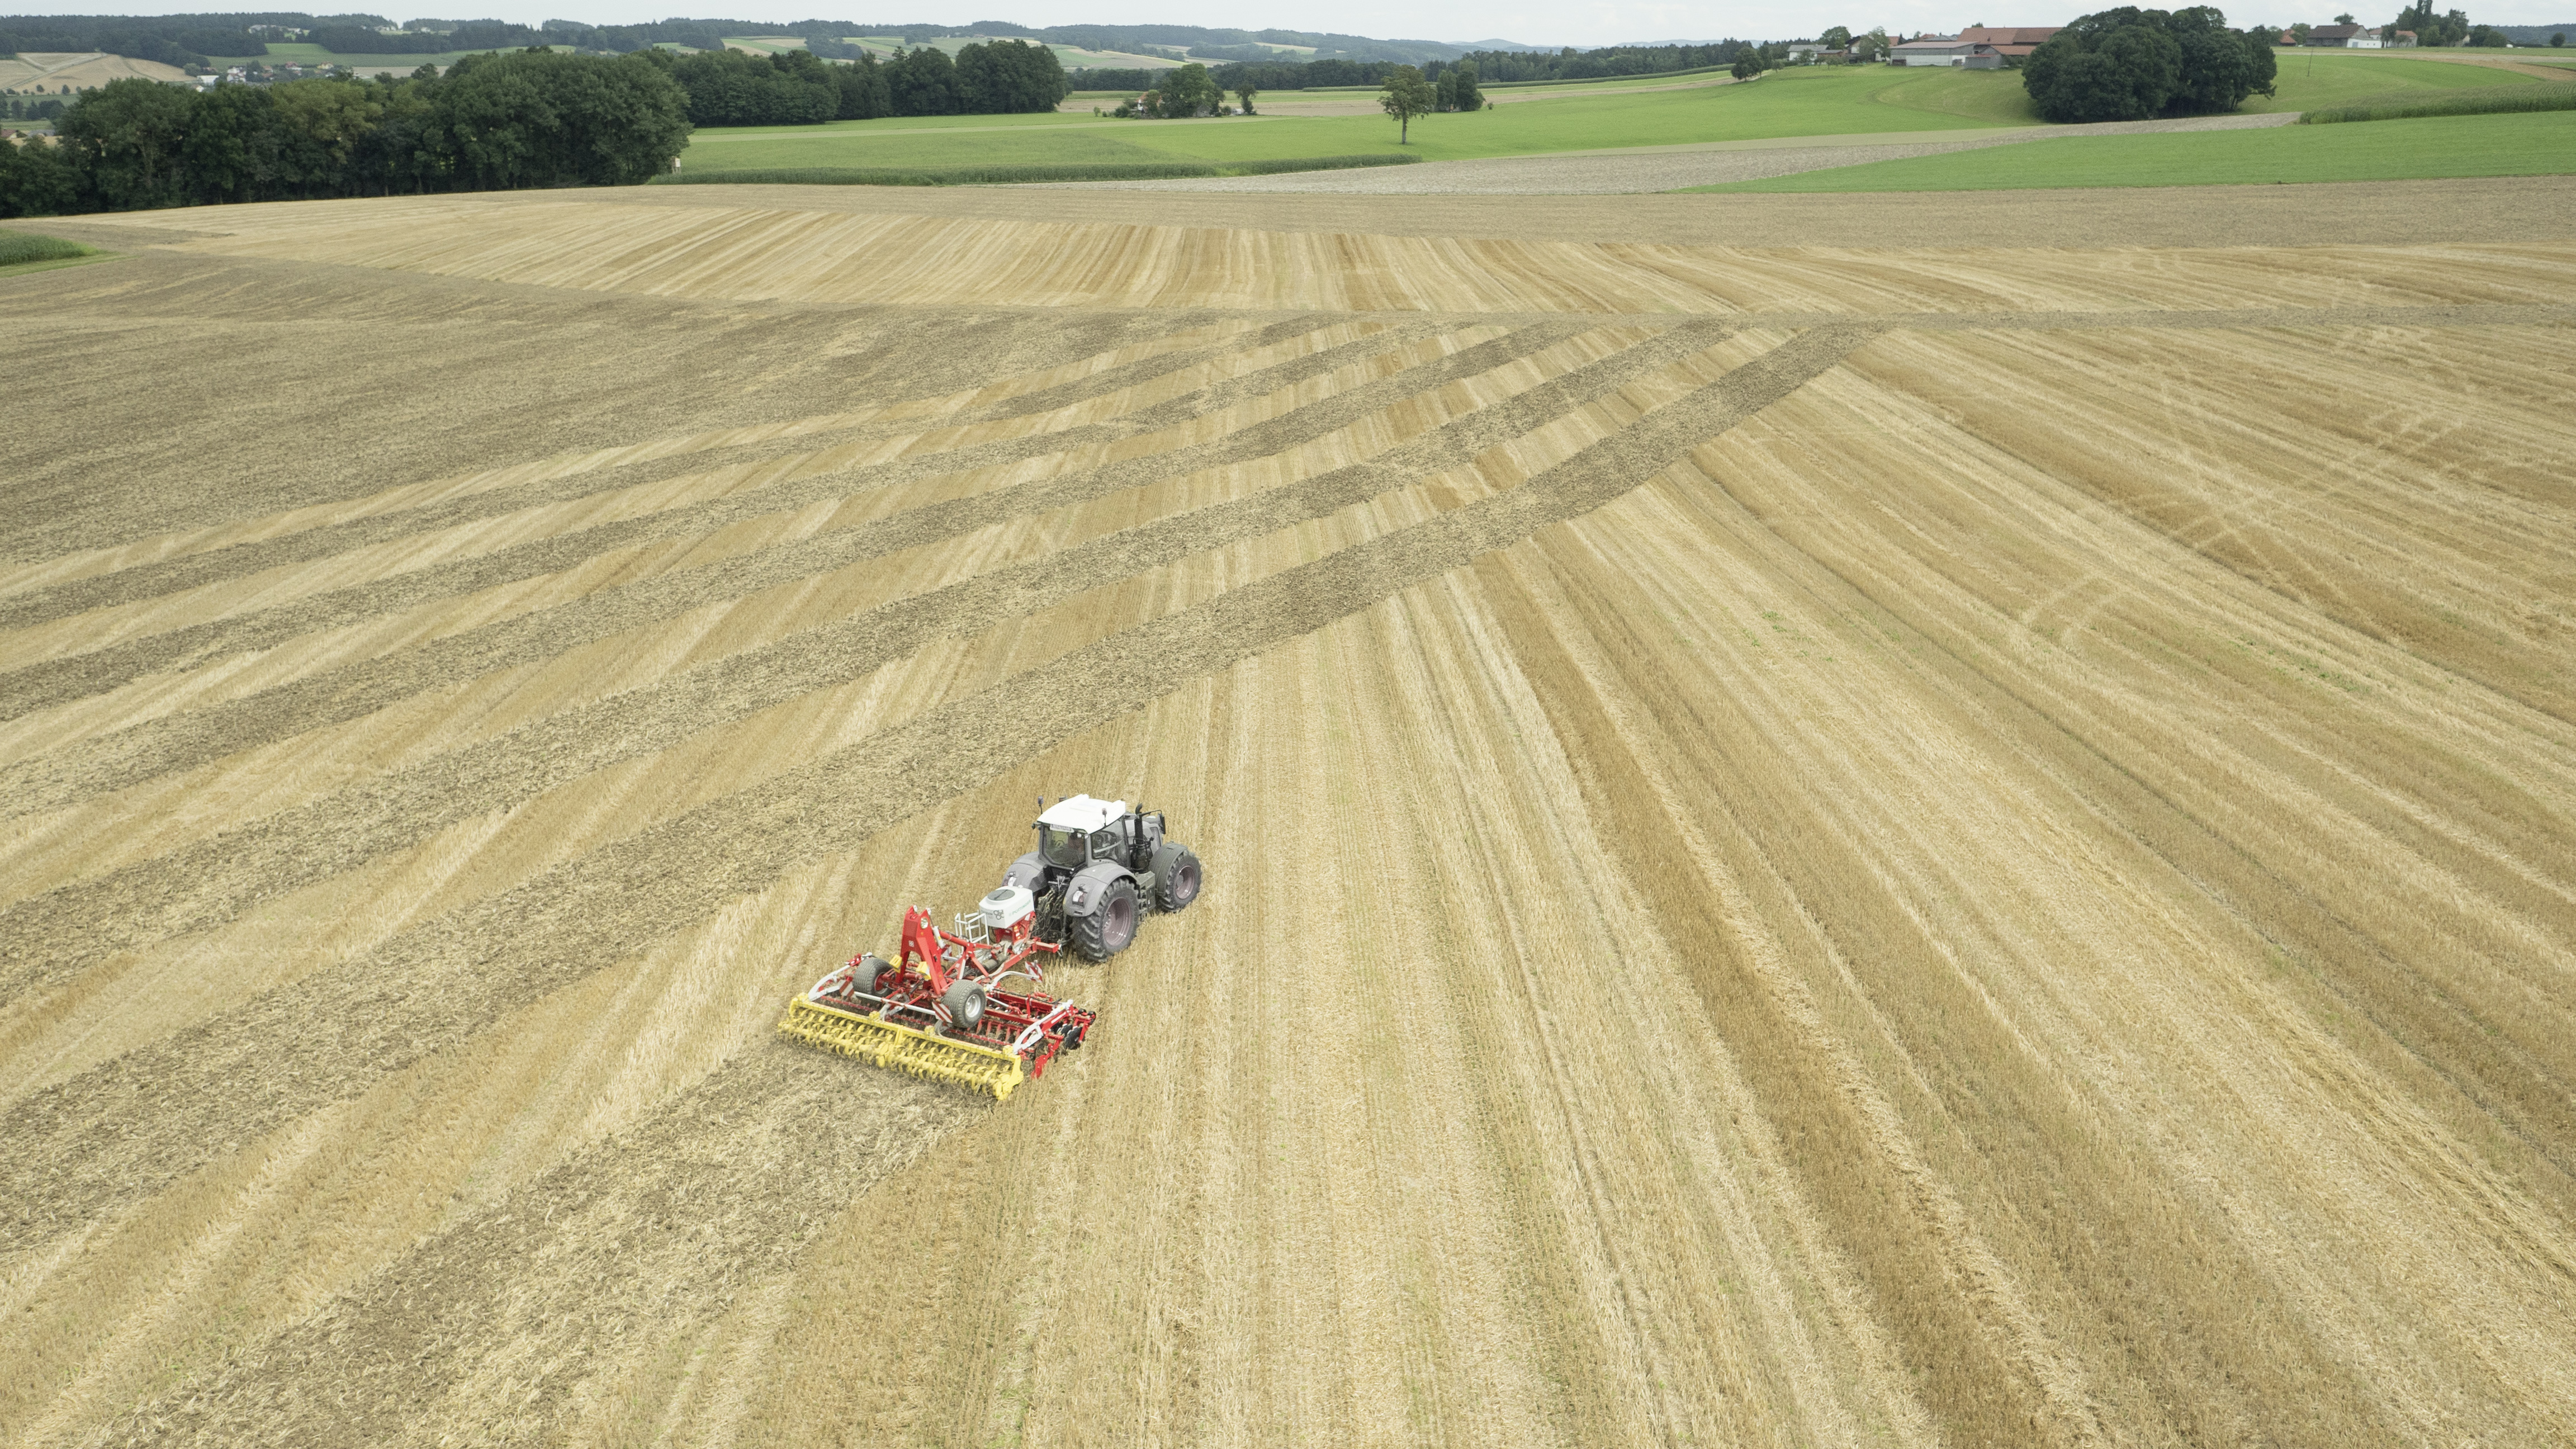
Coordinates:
(1839,844)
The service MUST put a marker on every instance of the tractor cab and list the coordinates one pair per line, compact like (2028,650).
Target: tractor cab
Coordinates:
(1076,831)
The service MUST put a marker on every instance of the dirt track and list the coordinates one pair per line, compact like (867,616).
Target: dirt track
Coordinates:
(1812,844)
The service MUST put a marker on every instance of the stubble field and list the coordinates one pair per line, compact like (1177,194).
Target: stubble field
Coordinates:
(1806,844)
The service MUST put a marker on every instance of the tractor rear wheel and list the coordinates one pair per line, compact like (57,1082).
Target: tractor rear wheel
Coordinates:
(1177,885)
(1111,926)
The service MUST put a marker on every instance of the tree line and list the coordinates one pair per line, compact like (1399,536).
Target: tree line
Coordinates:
(1003,77)
(196,39)
(493,122)
(1490,66)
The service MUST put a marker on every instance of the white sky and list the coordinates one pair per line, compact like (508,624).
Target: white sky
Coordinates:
(1594,22)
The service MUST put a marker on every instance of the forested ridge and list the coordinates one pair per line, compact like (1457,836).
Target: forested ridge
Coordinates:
(197,39)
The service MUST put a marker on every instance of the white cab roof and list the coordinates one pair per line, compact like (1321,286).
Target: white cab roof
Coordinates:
(1081,812)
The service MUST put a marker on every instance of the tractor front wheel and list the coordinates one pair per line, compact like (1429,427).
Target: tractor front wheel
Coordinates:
(1111,926)
(1178,884)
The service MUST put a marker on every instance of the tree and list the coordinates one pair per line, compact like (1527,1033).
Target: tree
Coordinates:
(2345,20)
(1836,37)
(2131,65)
(125,138)
(2432,29)
(864,96)
(1006,77)
(233,146)
(2558,39)
(37,179)
(1746,67)
(1470,98)
(923,82)
(2487,35)
(551,120)
(729,88)
(1243,95)
(1188,91)
(1405,95)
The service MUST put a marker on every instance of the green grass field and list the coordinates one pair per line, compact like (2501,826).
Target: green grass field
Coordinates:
(1817,101)
(2531,144)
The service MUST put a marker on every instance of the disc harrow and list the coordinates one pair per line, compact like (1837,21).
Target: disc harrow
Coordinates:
(967,1007)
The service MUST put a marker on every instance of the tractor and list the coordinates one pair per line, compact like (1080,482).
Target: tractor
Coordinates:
(1098,869)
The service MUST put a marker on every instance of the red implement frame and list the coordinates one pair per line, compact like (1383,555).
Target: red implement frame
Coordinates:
(911,991)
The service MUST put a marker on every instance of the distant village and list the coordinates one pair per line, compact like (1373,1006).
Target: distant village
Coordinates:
(1989,47)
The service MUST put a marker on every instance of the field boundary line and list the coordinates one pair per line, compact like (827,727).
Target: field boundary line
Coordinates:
(132,1125)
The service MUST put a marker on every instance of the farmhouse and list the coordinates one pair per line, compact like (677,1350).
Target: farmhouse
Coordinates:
(1979,47)
(2012,41)
(2347,37)
(1926,50)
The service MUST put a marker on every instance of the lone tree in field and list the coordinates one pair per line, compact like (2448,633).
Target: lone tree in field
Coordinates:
(2133,65)
(1407,95)
(1188,91)
(1244,94)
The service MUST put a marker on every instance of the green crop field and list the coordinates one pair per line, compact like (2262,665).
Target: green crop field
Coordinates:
(2540,144)
(1819,101)
(27,252)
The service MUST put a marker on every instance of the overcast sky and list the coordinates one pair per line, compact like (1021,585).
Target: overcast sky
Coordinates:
(1600,22)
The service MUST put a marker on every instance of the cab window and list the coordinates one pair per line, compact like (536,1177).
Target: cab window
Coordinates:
(1061,847)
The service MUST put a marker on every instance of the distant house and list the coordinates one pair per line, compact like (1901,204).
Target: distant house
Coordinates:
(1970,49)
(2288,37)
(2009,41)
(1926,50)
(2404,38)
(2345,37)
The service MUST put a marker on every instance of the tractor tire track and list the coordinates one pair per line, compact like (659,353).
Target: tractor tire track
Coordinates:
(169,576)
(76,676)
(174,742)
(214,879)
(130,1127)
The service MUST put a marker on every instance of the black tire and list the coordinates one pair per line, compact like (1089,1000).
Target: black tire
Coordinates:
(869,978)
(1111,926)
(1178,885)
(965,1003)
